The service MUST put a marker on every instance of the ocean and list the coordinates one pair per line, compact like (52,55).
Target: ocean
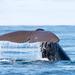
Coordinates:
(27,56)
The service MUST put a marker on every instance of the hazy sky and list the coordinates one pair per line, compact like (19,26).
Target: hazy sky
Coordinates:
(37,12)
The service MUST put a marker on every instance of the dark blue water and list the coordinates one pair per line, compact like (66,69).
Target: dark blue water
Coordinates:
(27,57)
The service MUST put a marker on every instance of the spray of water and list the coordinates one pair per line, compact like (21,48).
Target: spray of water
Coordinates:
(16,51)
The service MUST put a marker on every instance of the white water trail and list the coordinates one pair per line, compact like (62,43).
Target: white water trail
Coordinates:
(39,57)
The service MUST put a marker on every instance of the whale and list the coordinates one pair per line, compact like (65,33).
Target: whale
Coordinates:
(53,52)
(49,48)
(29,36)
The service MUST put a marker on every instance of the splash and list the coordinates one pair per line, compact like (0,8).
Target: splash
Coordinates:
(20,51)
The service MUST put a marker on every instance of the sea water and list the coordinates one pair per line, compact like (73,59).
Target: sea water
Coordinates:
(25,58)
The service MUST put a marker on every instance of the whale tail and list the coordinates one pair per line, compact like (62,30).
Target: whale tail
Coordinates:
(3,38)
(53,51)
(62,54)
(0,38)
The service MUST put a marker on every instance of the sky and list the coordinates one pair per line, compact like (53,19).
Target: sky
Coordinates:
(37,12)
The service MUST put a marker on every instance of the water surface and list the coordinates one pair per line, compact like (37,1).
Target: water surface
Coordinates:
(28,56)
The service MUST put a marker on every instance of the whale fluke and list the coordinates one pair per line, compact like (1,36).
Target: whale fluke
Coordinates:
(30,36)
(53,52)
(50,48)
